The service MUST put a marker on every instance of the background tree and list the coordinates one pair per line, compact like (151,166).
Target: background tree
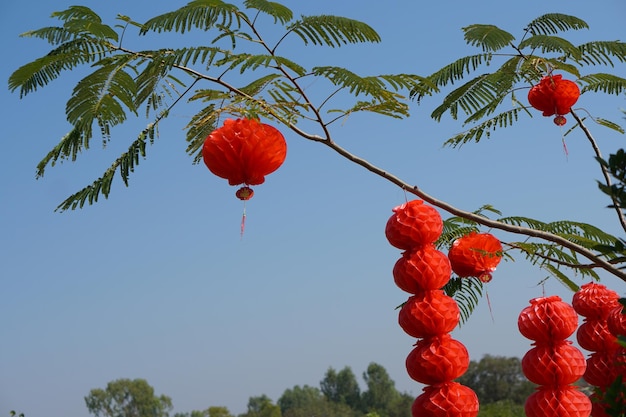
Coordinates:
(214,411)
(309,401)
(496,379)
(341,387)
(381,396)
(261,406)
(127,398)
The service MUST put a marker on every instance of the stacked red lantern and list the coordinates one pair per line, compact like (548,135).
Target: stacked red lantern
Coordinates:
(553,363)
(244,151)
(554,95)
(595,303)
(429,314)
(475,255)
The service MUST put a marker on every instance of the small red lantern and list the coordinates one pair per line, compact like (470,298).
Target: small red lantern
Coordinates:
(558,402)
(595,336)
(449,399)
(554,364)
(595,301)
(475,255)
(437,359)
(428,314)
(244,151)
(547,319)
(422,269)
(413,224)
(554,95)
(616,321)
(601,369)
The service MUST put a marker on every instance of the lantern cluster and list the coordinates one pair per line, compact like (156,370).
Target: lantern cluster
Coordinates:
(244,151)
(596,303)
(429,314)
(554,96)
(553,363)
(475,255)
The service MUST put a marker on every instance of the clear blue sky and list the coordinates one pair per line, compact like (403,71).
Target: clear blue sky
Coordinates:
(156,283)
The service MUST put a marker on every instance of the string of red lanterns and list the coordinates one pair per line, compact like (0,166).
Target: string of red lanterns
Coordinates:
(553,363)
(595,303)
(429,314)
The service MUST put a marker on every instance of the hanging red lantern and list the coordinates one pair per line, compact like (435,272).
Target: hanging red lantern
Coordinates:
(244,151)
(594,336)
(554,95)
(428,314)
(475,255)
(595,301)
(422,269)
(554,364)
(437,359)
(601,370)
(616,321)
(558,402)
(413,224)
(547,319)
(449,399)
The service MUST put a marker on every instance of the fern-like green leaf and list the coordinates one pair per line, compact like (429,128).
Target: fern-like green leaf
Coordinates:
(355,84)
(391,108)
(276,10)
(469,98)
(552,44)
(68,147)
(489,37)
(467,292)
(561,277)
(609,124)
(67,56)
(101,96)
(606,83)
(602,52)
(198,128)
(333,31)
(125,164)
(552,23)
(453,72)
(503,119)
(200,14)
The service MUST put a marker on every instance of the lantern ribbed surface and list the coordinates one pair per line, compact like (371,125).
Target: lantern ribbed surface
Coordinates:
(450,399)
(422,269)
(413,224)
(553,363)
(429,314)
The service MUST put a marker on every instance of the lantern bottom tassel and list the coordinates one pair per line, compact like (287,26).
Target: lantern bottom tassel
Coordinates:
(243,220)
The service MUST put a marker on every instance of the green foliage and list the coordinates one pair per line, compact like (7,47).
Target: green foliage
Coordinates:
(341,387)
(497,378)
(332,31)
(481,100)
(502,408)
(127,398)
(261,406)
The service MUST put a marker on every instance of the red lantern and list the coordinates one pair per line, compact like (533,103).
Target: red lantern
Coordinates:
(422,269)
(601,369)
(437,359)
(595,301)
(244,151)
(547,319)
(450,399)
(554,95)
(554,364)
(413,224)
(475,255)
(594,336)
(428,314)
(565,401)
(616,321)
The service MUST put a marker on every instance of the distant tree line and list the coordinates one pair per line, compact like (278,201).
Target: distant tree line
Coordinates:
(498,381)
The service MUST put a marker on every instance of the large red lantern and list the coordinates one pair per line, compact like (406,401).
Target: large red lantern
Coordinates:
(436,360)
(428,314)
(558,363)
(547,319)
(449,399)
(244,151)
(551,401)
(554,96)
(422,269)
(413,224)
(475,255)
